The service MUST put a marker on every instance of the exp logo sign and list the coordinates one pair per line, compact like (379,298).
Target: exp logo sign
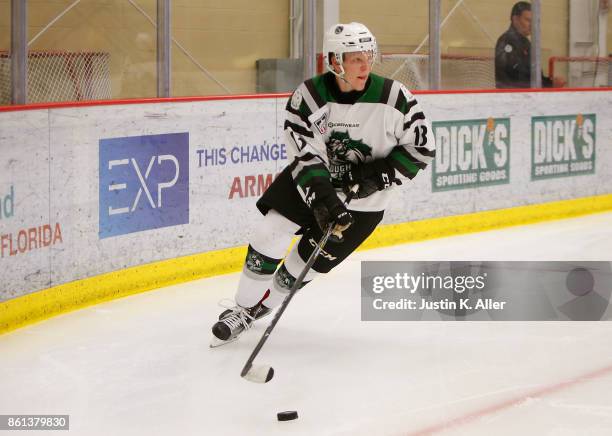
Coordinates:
(144,183)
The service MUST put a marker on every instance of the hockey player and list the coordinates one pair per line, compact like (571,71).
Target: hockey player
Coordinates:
(513,53)
(342,128)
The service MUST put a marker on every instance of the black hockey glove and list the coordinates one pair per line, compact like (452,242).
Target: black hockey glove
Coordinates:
(326,207)
(371,176)
(336,214)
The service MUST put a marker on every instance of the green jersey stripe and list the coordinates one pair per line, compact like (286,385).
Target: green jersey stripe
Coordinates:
(321,86)
(374,91)
(403,164)
(309,174)
(420,164)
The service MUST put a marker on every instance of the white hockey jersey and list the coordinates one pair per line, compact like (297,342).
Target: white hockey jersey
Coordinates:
(328,130)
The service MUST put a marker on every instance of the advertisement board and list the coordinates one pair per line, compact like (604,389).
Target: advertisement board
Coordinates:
(94,189)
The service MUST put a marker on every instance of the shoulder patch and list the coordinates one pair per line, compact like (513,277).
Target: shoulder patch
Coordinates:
(296,99)
(508,48)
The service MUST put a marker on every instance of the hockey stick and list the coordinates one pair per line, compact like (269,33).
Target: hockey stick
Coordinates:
(264,373)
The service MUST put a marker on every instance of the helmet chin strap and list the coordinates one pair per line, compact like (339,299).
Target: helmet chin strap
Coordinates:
(346,81)
(341,76)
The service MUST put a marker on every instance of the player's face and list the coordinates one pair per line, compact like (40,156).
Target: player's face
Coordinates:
(357,68)
(522,23)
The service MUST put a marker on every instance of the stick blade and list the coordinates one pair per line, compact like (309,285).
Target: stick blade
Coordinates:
(258,373)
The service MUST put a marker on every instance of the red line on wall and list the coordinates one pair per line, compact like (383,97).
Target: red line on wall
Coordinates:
(59,105)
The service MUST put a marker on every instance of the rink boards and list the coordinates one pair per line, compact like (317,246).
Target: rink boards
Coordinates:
(116,199)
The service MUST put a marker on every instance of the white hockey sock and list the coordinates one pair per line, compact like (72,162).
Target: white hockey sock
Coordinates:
(271,238)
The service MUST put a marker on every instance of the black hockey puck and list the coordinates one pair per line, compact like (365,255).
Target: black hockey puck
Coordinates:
(289,415)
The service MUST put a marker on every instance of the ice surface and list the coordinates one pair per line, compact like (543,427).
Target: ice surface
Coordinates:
(142,366)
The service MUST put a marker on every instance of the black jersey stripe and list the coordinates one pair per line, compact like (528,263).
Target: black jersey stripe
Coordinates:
(386,91)
(305,157)
(412,103)
(298,129)
(298,113)
(310,86)
(402,164)
(308,156)
(426,152)
(414,160)
(415,118)
(400,104)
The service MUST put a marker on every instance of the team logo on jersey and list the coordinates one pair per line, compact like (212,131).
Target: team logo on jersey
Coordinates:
(343,151)
(296,100)
(508,48)
(321,124)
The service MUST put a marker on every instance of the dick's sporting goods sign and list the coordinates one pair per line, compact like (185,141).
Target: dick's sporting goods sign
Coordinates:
(471,153)
(562,146)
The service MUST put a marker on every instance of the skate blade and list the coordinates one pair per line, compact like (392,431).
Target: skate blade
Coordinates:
(216,342)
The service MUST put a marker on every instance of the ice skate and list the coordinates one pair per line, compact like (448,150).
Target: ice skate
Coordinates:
(234,321)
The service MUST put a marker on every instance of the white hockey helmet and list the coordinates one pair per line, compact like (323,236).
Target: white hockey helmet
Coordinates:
(345,38)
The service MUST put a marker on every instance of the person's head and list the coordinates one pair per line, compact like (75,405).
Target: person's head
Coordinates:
(350,50)
(521,18)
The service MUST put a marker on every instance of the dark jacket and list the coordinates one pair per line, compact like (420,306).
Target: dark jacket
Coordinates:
(513,61)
